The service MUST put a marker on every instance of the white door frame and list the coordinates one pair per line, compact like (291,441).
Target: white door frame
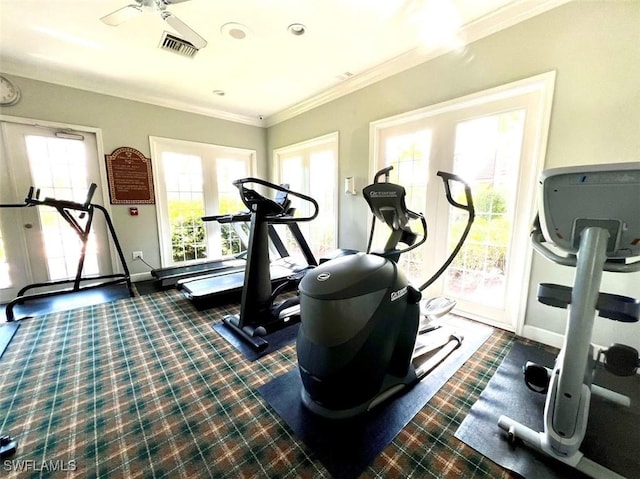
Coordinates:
(113,254)
(543,84)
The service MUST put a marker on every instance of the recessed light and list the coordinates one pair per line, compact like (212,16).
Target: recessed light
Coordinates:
(297,29)
(237,31)
(219,92)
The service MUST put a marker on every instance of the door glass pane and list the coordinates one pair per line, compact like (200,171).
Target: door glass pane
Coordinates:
(322,178)
(185,201)
(409,156)
(311,168)
(227,171)
(59,170)
(292,173)
(487,155)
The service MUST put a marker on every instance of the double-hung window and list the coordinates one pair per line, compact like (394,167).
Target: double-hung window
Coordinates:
(195,180)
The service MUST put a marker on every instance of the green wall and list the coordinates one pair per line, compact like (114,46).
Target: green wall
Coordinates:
(130,123)
(593,46)
(595,49)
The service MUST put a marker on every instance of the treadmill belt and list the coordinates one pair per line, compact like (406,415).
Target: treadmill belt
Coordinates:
(172,275)
(204,288)
(215,284)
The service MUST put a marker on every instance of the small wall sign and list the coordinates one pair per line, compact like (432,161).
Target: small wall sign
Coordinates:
(130,177)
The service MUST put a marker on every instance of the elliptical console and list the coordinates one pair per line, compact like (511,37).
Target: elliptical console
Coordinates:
(360,316)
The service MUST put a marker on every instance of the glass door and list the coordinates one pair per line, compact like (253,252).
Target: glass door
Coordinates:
(37,244)
(487,154)
(494,140)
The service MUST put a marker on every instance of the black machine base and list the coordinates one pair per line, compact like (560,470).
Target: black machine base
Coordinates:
(436,351)
(254,332)
(392,386)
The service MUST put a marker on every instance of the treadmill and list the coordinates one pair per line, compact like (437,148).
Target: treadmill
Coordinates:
(205,290)
(174,276)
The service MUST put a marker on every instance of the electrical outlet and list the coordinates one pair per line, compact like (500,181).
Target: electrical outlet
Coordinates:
(137,255)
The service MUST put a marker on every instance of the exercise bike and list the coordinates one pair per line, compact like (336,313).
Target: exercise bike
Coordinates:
(360,340)
(592,214)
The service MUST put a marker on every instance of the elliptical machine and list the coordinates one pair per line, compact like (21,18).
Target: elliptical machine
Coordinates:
(358,343)
(79,216)
(592,214)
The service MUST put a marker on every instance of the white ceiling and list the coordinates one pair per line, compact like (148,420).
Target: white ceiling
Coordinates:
(267,76)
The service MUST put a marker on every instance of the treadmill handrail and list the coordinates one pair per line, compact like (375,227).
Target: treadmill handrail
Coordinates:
(245,216)
(281,217)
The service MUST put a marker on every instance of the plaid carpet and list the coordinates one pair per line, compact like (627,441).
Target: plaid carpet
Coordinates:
(144,387)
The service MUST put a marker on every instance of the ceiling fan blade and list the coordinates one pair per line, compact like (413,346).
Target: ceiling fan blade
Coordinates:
(183,29)
(122,15)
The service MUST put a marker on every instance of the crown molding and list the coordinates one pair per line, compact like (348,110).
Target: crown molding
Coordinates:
(501,19)
(494,22)
(122,91)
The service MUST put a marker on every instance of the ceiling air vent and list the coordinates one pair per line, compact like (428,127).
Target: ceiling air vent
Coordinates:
(177,45)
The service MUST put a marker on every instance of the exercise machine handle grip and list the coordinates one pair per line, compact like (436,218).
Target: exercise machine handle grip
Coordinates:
(447,178)
(471,212)
(90,193)
(538,243)
(289,219)
(384,171)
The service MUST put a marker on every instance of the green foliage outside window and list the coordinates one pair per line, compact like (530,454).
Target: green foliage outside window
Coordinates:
(486,247)
(188,231)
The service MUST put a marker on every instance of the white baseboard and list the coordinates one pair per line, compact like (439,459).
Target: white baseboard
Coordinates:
(141,277)
(543,336)
(550,338)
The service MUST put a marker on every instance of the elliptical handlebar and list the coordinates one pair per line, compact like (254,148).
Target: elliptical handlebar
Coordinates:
(33,199)
(277,211)
(383,171)
(447,178)
(92,189)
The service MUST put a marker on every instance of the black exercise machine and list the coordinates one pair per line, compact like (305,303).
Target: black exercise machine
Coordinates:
(259,313)
(180,276)
(8,447)
(361,340)
(79,216)
(204,290)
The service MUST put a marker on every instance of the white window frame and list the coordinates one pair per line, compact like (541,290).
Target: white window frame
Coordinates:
(204,150)
(304,148)
(534,148)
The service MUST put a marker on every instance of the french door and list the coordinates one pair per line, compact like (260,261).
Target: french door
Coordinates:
(195,180)
(36,244)
(494,140)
